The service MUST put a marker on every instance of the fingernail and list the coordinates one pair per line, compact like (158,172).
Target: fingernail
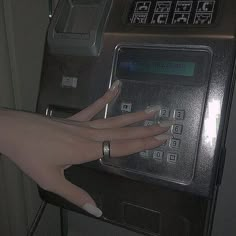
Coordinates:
(92,210)
(166,123)
(115,85)
(163,137)
(152,109)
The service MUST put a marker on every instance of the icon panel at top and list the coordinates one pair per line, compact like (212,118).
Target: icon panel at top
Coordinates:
(175,12)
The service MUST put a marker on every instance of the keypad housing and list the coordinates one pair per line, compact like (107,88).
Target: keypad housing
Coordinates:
(181,99)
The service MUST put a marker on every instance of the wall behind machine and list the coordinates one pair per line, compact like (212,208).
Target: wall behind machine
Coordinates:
(23,26)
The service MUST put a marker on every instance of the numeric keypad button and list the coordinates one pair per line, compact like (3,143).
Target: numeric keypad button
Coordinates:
(165,113)
(158,155)
(172,157)
(148,122)
(144,154)
(177,129)
(179,114)
(175,143)
(126,107)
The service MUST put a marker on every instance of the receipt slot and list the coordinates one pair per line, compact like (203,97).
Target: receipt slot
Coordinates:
(184,66)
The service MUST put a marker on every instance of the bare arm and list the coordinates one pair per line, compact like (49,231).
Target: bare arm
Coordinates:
(44,147)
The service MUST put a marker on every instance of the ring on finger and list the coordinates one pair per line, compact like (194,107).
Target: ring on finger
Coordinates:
(106,151)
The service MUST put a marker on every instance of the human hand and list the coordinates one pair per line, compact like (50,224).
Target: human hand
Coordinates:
(43,148)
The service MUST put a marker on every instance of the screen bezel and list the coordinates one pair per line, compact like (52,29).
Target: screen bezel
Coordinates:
(200,56)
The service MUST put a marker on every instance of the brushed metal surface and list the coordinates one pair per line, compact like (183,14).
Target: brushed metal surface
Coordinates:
(172,92)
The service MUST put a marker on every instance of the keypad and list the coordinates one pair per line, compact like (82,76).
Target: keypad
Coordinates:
(168,151)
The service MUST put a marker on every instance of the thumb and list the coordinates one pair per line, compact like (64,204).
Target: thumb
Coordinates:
(76,195)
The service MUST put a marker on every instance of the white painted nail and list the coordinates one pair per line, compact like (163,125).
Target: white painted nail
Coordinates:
(166,123)
(163,137)
(93,210)
(115,85)
(152,109)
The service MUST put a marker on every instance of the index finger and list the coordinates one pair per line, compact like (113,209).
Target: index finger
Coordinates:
(124,120)
(89,112)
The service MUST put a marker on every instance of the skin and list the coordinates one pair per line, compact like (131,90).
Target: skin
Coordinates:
(43,148)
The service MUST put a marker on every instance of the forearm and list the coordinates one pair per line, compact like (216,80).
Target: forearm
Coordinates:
(13,129)
(7,131)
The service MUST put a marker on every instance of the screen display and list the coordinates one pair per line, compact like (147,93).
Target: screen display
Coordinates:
(156,67)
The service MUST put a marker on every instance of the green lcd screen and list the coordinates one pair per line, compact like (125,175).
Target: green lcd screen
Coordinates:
(176,68)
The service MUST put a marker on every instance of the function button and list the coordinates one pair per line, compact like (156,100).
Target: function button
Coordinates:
(163,6)
(179,114)
(144,154)
(203,18)
(148,122)
(165,113)
(206,6)
(172,157)
(181,18)
(126,107)
(139,18)
(142,6)
(177,129)
(175,143)
(183,6)
(159,18)
(158,155)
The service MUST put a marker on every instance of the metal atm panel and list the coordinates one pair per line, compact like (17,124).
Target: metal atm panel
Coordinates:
(172,77)
(187,69)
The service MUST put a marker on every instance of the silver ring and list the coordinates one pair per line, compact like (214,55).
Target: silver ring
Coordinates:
(106,150)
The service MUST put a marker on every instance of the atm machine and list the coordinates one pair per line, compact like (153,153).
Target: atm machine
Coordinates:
(176,54)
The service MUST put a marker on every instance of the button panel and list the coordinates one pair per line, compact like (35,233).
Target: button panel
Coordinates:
(164,152)
(172,12)
(177,99)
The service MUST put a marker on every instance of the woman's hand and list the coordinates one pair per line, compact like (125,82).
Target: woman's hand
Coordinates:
(43,148)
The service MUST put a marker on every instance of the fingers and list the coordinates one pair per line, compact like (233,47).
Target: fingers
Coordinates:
(124,148)
(127,119)
(89,112)
(125,133)
(120,148)
(73,194)
(93,150)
